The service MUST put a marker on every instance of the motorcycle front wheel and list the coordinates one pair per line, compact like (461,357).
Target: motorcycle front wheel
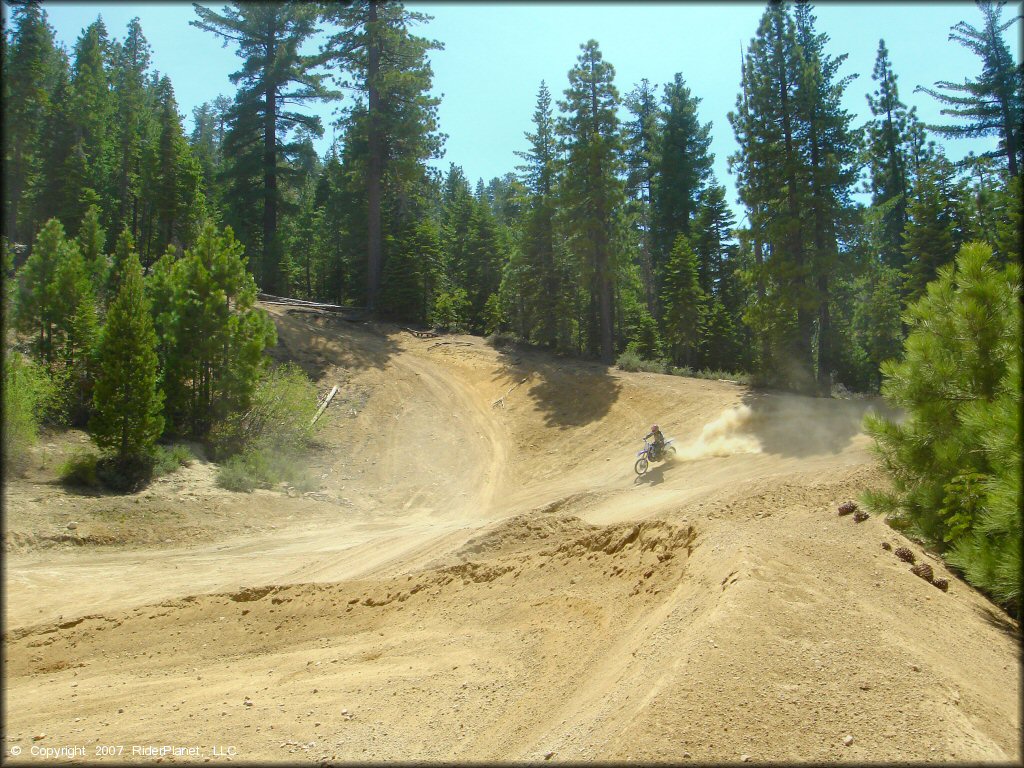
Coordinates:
(641,465)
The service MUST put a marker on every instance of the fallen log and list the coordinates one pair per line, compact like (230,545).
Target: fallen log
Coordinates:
(326,402)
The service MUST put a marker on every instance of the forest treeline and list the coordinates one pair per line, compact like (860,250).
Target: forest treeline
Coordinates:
(613,234)
(139,245)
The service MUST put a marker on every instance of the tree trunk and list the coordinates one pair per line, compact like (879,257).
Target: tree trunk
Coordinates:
(824,339)
(269,271)
(804,318)
(375,170)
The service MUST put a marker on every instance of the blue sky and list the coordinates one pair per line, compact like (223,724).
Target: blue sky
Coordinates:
(496,54)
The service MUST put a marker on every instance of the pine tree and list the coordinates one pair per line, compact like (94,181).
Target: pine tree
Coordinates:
(31,74)
(91,113)
(378,56)
(990,554)
(126,401)
(930,240)
(772,181)
(592,189)
(889,156)
(172,204)
(486,256)
(684,304)
(876,319)
(273,75)
(641,136)
(993,103)
(831,155)
(206,141)
(74,306)
(130,126)
(540,288)
(92,244)
(717,263)
(682,169)
(796,166)
(36,309)
(406,288)
(952,458)
(124,252)
(214,336)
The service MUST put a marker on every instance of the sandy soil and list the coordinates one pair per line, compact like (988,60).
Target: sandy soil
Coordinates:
(482,576)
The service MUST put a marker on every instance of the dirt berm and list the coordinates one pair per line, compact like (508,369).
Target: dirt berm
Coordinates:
(482,576)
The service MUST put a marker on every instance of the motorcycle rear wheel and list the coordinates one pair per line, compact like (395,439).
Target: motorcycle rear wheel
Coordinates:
(641,465)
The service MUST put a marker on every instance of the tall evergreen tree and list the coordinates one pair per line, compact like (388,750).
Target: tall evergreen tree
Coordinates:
(541,286)
(173,203)
(831,152)
(593,192)
(130,126)
(772,182)
(889,156)
(92,112)
(796,167)
(641,134)
(274,75)
(31,74)
(378,56)
(683,168)
(993,103)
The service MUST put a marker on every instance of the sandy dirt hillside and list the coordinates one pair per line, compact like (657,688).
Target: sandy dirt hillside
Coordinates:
(482,576)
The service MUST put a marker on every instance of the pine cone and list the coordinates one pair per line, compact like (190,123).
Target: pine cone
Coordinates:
(924,571)
(905,555)
(860,517)
(847,508)
(887,546)
(941,584)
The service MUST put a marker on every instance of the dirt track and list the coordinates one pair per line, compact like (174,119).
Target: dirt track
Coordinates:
(491,581)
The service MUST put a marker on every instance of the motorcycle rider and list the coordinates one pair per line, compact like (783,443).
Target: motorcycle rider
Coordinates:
(659,441)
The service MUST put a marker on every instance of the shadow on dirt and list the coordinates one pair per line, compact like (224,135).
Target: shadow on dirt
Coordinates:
(317,343)
(569,392)
(653,476)
(998,620)
(796,426)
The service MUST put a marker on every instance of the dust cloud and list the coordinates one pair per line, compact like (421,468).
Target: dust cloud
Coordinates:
(725,436)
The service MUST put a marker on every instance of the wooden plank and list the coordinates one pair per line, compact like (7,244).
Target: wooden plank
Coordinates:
(323,407)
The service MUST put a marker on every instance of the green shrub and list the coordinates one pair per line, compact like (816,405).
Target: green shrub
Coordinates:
(630,360)
(79,469)
(451,310)
(169,459)
(241,473)
(28,397)
(502,340)
(279,417)
(263,468)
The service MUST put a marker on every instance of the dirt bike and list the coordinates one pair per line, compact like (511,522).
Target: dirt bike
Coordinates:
(647,455)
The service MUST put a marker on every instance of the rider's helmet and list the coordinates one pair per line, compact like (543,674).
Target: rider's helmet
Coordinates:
(654,428)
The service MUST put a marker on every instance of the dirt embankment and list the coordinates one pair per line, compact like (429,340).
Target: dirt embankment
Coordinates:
(483,577)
